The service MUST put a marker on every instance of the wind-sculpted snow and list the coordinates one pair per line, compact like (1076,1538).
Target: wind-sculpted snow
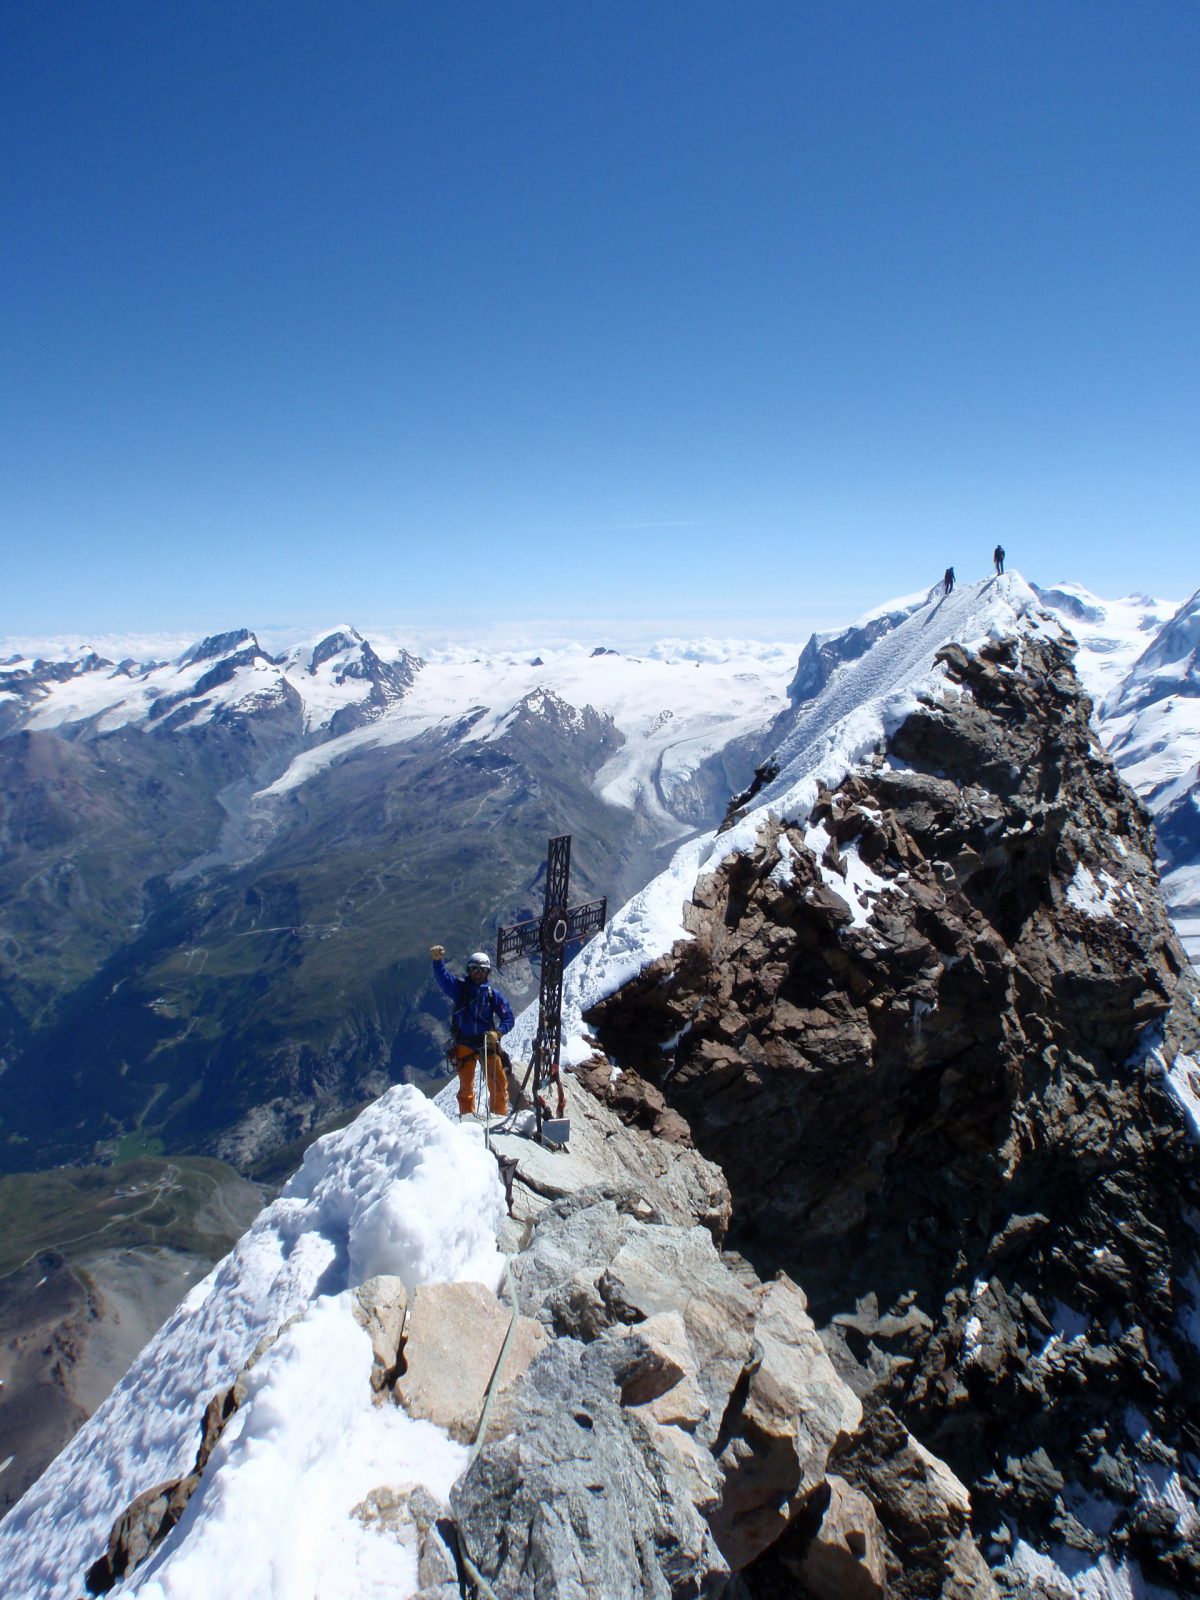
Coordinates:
(401,1191)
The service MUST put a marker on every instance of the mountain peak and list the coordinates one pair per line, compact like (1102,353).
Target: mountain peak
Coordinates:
(217,645)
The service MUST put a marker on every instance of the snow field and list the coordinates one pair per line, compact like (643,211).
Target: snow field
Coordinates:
(401,1190)
(274,1512)
(672,713)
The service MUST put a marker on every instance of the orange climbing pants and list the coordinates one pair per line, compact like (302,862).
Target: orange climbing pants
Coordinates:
(466,1059)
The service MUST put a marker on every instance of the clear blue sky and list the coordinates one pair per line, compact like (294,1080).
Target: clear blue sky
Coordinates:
(705,312)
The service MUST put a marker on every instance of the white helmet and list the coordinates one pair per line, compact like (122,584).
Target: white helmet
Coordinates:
(479,958)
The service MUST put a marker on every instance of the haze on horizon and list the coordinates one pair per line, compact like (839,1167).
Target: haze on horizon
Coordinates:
(677,319)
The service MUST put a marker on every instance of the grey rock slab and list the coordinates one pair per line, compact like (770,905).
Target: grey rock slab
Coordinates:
(579,1501)
(590,1266)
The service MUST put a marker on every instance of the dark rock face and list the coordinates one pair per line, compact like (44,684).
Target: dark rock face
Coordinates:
(220,644)
(926,1036)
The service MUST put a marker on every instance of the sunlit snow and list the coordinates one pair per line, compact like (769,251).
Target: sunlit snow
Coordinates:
(402,1190)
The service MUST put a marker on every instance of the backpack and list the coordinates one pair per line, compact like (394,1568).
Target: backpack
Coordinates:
(456,1033)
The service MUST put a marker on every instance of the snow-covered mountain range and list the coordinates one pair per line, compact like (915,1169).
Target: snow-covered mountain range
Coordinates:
(182,835)
(289,1501)
(673,711)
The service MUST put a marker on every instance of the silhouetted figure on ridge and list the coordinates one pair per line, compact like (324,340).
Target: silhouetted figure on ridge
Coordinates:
(998,558)
(947,582)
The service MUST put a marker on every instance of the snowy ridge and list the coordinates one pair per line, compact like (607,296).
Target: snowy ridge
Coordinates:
(400,1191)
(1137,658)
(862,701)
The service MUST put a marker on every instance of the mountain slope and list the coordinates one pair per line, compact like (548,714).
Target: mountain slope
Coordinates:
(220,874)
(926,1011)
(921,1003)
(1151,725)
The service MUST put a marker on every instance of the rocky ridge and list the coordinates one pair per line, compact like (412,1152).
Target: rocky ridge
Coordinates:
(936,1034)
(662,1422)
(891,1290)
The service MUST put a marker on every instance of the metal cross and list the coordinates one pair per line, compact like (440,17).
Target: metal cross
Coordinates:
(557,927)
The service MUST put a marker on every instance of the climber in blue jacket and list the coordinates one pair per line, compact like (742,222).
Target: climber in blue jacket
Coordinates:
(481,1014)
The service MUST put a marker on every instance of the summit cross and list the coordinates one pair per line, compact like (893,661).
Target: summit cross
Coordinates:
(550,934)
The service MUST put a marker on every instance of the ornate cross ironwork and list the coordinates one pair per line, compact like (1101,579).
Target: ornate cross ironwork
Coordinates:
(557,927)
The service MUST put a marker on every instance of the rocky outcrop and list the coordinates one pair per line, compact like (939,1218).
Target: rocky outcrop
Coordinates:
(148,1519)
(928,1033)
(680,1428)
(412,1516)
(580,1498)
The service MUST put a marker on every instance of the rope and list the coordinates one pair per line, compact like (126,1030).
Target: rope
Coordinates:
(490,1392)
(472,1570)
(469,1565)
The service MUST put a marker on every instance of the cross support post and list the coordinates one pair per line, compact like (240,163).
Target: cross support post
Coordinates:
(549,935)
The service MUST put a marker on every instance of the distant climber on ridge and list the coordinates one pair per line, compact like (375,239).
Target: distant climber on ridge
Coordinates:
(481,1014)
(998,558)
(947,582)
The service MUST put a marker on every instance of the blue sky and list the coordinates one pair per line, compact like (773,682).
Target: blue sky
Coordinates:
(734,317)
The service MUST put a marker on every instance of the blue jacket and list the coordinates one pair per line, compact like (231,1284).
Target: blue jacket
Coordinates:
(478,1008)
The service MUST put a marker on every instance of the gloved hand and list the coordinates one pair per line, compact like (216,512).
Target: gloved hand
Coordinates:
(493,1040)
(437,952)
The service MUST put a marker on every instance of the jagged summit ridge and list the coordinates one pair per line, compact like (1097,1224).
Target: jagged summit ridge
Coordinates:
(337,674)
(931,1020)
(818,744)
